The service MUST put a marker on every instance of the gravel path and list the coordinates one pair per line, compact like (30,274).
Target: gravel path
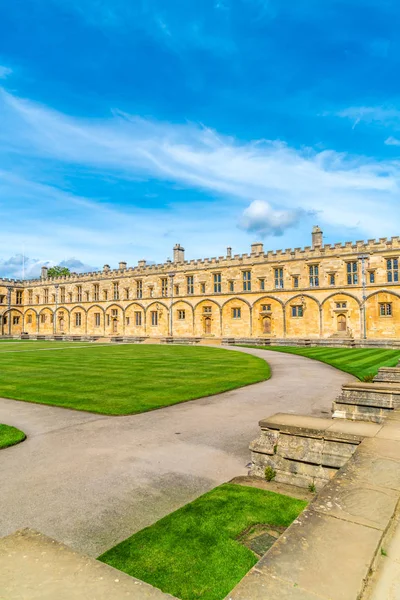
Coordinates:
(90,480)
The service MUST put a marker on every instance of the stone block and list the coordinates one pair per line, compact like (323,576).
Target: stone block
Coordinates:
(299,448)
(336,454)
(266,442)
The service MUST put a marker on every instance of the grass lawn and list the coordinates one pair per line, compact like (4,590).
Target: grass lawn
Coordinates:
(120,380)
(361,362)
(10,436)
(192,553)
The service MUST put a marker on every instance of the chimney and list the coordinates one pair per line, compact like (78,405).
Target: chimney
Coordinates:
(141,263)
(106,268)
(229,252)
(44,274)
(179,254)
(316,237)
(122,266)
(257,248)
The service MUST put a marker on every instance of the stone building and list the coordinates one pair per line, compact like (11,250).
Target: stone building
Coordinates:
(348,290)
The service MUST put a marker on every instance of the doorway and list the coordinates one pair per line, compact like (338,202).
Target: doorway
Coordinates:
(114,325)
(207,325)
(267,325)
(341,323)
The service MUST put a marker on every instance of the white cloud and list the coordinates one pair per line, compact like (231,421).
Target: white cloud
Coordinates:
(19,266)
(383,115)
(4,72)
(392,141)
(262,219)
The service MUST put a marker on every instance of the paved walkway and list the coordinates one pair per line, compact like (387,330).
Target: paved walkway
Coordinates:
(90,481)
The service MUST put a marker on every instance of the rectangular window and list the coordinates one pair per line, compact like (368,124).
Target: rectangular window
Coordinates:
(30,297)
(19,297)
(176,290)
(181,315)
(126,293)
(62,294)
(217,283)
(392,265)
(154,317)
(207,309)
(114,312)
(108,319)
(203,288)
(116,291)
(190,284)
(151,291)
(87,296)
(331,279)
(297,311)
(43,318)
(127,320)
(78,319)
(295,281)
(341,304)
(29,319)
(231,286)
(385,309)
(46,295)
(313,271)
(139,289)
(96,292)
(164,287)
(246,281)
(352,273)
(138,318)
(236,313)
(15,320)
(266,308)
(105,294)
(372,276)
(97,319)
(51,318)
(262,284)
(79,293)
(278,278)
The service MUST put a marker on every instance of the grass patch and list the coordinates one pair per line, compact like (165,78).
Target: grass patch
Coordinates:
(361,362)
(193,552)
(10,436)
(120,380)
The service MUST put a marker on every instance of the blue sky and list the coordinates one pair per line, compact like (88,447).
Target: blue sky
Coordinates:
(128,126)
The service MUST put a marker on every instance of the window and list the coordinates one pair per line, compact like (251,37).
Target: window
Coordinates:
(151,291)
(297,311)
(138,318)
(295,281)
(207,309)
(116,290)
(313,271)
(217,283)
(262,284)
(29,319)
(87,296)
(108,319)
(15,320)
(341,304)
(105,294)
(139,289)
(203,288)
(19,297)
(53,298)
(62,294)
(236,313)
(246,281)
(126,293)
(372,276)
(51,318)
(46,295)
(97,319)
(79,293)
(37,298)
(114,312)
(96,292)
(30,297)
(181,315)
(278,278)
(332,279)
(352,273)
(78,319)
(154,317)
(164,287)
(127,320)
(231,286)
(385,309)
(266,307)
(43,318)
(176,290)
(392,265)
(190,284)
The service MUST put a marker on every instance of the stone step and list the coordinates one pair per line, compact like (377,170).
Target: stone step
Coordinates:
(361,401)
(36,567)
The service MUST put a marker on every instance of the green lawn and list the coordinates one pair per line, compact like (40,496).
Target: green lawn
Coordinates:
(118,380)
(10,436)
(361,362)
(193,552)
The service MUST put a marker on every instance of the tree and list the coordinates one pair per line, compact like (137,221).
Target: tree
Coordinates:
(58,271)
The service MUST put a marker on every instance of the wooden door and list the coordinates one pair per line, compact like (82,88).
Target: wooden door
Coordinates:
(207,325)
(115,325)
(267,325)
(341,323)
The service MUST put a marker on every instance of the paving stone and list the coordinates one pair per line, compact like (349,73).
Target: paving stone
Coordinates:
(375,470)
(386,448)
(261,586)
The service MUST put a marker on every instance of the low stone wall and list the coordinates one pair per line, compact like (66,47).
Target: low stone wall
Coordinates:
(367,401)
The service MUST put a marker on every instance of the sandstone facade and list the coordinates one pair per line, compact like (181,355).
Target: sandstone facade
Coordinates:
(346,290)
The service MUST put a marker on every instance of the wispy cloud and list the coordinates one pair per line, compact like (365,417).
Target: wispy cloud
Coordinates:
(392,141)
(4,72)
(19,266)
(262,219)
(388,116)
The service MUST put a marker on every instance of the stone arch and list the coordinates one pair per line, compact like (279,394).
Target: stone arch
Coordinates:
(182,327)
(270,322)
(307,325)
(30,320)
(233,326)
(131,326)
(75,327)
(161,328)
(95,326)
(379,325)
(114,319)
(63,320)
(45,321)
(336,304)
(10,326)
(207,323)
